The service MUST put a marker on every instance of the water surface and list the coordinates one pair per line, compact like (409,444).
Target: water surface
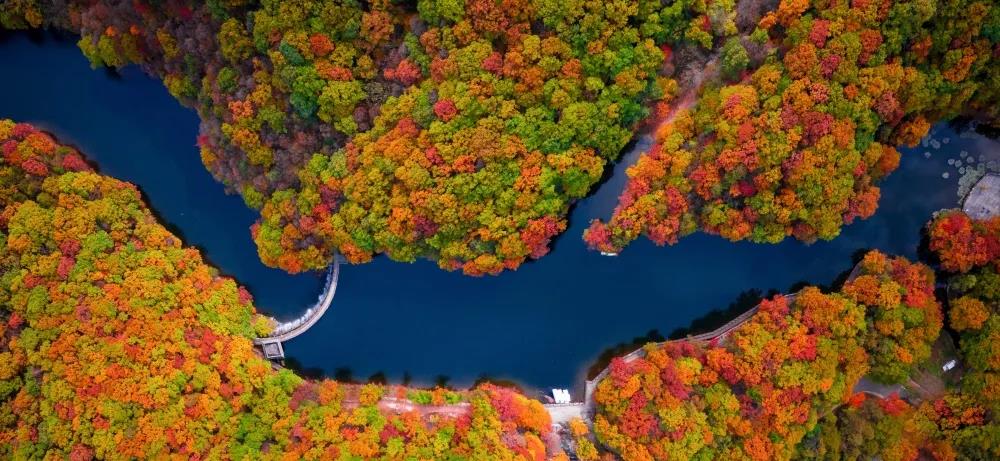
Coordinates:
(540,326)
(130,126)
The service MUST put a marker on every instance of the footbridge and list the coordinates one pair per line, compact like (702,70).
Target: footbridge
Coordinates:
(285,331)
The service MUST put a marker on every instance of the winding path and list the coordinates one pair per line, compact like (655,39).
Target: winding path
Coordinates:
(717,334)
(285,331)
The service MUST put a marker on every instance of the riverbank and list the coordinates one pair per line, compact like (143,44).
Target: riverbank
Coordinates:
(463,324)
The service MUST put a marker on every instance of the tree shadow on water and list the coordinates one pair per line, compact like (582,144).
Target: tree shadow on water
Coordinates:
(295,365)
(378,378)
(708,322)
(653,336)
(486,379)
(343,374)
(718,317)
(442,381)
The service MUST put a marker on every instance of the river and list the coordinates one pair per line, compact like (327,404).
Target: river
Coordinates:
(539,326)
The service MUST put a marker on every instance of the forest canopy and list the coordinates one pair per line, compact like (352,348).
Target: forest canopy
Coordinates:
(463,132)
(799,379)
(118,342)
(758,391)
(795,144)
(460,132)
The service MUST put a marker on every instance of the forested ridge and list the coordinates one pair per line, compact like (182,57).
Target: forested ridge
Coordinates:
(758,392)
(960,421)
(785,384)
(463,131)
(818,96)
(118,342)
(457,131)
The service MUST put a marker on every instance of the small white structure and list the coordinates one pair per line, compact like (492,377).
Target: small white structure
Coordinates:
(561,395)
(948,366)
(605,253)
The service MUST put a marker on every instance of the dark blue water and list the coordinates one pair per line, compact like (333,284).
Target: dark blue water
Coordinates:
(541,325)
(135,131)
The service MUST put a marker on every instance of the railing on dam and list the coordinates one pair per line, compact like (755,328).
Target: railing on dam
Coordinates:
(284,331)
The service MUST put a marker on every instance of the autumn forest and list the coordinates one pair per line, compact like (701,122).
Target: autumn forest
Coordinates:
(465,133)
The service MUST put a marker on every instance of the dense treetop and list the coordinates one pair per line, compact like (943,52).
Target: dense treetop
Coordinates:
(781,385)
(904,318)
(960,421)
(758,392)
(753,397)
(463,131)
(795,145)
(962,243)
(460,132)
(971,248)
(117,342)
